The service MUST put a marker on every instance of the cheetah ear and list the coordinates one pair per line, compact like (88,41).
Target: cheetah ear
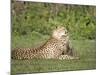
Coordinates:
(58,27)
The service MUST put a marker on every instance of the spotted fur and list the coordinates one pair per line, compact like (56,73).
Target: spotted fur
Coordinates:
(57,47)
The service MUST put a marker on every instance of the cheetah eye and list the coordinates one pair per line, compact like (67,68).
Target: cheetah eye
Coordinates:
(66,32)
(64,35)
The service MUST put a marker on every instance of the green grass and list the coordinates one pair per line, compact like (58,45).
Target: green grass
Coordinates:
(34,20)
(85,48)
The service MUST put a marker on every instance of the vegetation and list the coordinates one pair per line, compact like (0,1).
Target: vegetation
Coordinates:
(85,49)
(29,17)
(32,24)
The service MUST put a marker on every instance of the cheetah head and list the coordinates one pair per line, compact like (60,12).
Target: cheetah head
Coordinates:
(60,32)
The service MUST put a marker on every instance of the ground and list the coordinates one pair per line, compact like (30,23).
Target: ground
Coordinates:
(85,48)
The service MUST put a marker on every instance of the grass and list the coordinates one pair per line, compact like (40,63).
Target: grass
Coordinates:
(85,48)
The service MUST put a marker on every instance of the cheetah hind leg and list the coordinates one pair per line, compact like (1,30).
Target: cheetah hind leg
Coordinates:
(67,57)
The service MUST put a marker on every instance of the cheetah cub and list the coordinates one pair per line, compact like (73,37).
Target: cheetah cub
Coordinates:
(56,47)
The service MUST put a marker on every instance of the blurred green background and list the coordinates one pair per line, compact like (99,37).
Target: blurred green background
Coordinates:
(30,17)
(32,25)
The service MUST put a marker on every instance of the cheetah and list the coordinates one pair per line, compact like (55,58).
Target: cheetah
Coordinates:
(56,47)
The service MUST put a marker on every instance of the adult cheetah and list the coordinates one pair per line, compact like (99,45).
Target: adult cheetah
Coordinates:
(57,47)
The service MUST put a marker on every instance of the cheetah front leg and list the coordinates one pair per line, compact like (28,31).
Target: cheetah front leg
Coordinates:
(67,57)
